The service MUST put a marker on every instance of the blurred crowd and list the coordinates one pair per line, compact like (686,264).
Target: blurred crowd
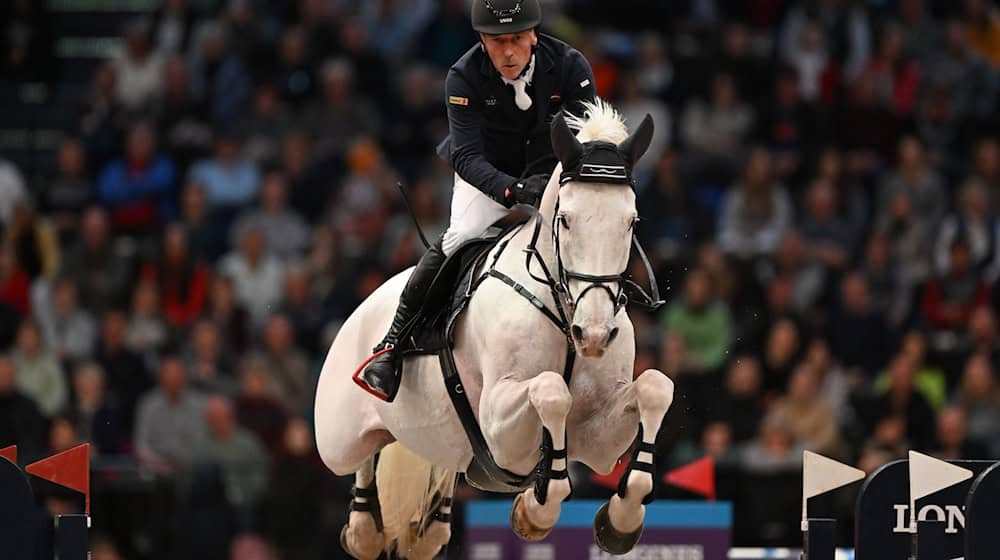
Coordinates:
(821,200)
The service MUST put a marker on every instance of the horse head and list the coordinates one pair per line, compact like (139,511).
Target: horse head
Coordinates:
(593,220)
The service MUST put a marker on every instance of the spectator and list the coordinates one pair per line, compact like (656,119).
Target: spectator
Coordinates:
(829,240)
(982,335)
(845,28)
(258,410)
(71,191)
(369,64)
(698,327)
(172,25)
(811,63)
(986,168)
(182,278)
(210,369)
(964,77)
(416,123)
(100,117)
(715,130)
(127,376)
(890,294)
(293,503)
(256,275)
(39,374)
(909,238)
(233,320)
(218,76)
(929,380)
(780,356)
(790,126)
(774,450)
(207,234)
(857,334)
(15,284)
(310,188)
(359,212)
(138,190)
(295,80)
(268,122)
(12,190)
(181,117)
(308,316)
(807,414)
(170,419)
(34,241)
(669,223)
(101,267)
(287,366)
(741,407)
(62,434)
(285,232)
(897,78)
(71,332)
(982,23)
(756,211)
(138,69)
(340,115)
(979,397)
(976,223)
(902,400)
(20,420)
(950,298)
(634,106)
(917,179)
(953,442)
(447,35)
(400,243)
(97,419)
(146,333)
(230,181)
(234,450)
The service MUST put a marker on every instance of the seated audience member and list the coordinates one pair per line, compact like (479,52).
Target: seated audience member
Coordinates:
(182,278)
(39,373)
(979,397)
(138,190)
(950,298)
(807,414)
(96,417)
(257,407)
(234,450)
(953,442)
(169,420)
(21,423)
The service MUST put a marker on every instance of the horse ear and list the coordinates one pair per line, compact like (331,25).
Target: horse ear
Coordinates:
(636,145)
(564,143)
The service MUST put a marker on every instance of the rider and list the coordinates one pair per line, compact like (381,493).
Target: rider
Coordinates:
(501,96)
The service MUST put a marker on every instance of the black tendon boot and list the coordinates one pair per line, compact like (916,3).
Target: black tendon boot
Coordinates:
(381,376)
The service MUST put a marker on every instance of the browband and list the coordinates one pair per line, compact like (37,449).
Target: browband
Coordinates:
(601,162)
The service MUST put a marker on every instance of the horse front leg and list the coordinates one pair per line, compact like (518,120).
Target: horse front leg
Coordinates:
(536,510)
(618,524)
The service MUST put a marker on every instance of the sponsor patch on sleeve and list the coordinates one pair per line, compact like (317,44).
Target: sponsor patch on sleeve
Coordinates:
(455,100)
(585,83)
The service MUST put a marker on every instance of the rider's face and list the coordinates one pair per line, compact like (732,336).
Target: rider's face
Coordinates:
(510,52)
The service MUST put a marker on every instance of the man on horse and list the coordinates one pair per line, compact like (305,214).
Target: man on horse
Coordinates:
(501,97)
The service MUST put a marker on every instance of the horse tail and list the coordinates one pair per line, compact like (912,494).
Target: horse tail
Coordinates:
(410,490)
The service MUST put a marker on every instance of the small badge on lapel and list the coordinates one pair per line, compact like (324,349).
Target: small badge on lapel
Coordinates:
(455,100)
(491,102)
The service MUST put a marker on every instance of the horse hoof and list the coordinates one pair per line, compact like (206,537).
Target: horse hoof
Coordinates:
(347,548)
(523,527)
(608,538)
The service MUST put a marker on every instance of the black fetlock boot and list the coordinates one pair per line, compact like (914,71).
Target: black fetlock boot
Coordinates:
(381,376)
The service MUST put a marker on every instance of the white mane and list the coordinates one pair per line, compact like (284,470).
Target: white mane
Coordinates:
(601,121)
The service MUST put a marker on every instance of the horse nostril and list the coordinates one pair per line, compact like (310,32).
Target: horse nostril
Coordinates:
(577,333)
(612,335)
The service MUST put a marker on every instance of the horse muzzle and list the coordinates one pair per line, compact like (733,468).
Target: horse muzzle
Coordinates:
(591,341)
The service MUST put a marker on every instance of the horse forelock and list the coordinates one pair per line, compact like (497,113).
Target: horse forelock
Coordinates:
(601,121)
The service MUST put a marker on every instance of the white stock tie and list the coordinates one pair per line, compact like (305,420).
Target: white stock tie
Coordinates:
(521,97)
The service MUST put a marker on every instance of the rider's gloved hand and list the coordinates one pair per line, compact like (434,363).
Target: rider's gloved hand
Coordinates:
(526,191)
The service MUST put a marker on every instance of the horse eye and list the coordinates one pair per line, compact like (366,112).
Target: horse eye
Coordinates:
(564,221)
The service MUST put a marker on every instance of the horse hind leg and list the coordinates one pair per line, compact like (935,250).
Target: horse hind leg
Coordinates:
(363,536)
(618,524)
(436,532)
(537,509)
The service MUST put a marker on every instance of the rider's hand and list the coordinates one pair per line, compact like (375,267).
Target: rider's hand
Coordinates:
(527,191)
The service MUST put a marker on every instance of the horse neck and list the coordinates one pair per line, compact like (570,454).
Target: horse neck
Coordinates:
(546,212)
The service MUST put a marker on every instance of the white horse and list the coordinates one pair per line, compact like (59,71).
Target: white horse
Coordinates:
(509,356)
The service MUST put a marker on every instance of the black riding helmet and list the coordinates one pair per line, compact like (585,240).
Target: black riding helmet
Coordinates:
(497,17)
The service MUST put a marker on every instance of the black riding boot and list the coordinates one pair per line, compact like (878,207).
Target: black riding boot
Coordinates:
(381,376)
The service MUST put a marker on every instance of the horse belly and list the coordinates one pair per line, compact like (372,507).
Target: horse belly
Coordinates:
(423,419)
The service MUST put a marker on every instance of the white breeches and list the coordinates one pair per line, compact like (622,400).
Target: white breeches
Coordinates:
(472,213)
